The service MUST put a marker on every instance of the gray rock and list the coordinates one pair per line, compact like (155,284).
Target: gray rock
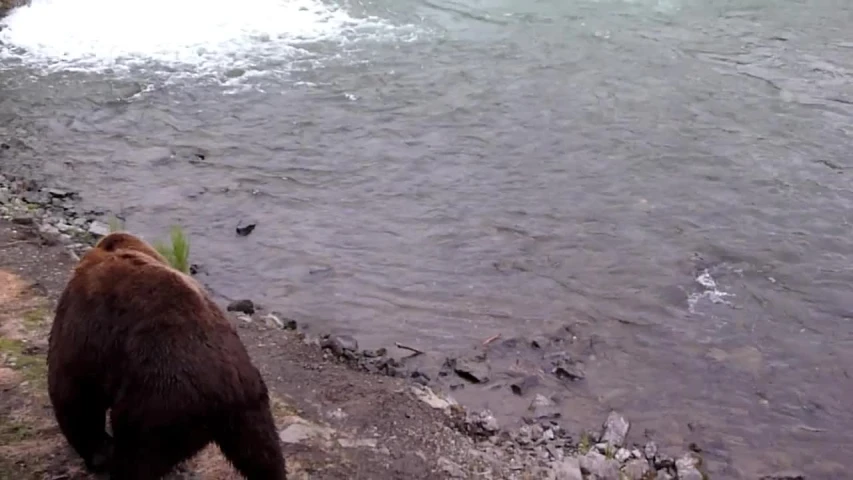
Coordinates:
(274,321)
(567,469)
(302,431)
(340,344)
(536,432)
(474,370)
(482,423)
(450,468)
(622,455)
(615,429)
(543,408)
(523,436)
(429,397)
(548,435)
(99,229)
(664,475)
(784,476)
(650,451)
(687,468)
(57,193)
(49,229)
(636,469)
(570,371)
(598,467)
(555,453)
(243,306)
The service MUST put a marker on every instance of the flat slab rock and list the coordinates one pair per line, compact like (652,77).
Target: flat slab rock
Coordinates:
(615,430)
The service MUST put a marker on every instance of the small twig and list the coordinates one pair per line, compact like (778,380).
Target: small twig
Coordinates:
(491,339)
(16,242)
(411,349)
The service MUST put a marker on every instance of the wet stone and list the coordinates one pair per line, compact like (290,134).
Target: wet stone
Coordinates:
(379,352)
(243,306)
(420,377)
(339,344)
(522,386)
(475,370)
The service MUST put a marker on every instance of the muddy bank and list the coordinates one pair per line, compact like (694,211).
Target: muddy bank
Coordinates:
(344,412)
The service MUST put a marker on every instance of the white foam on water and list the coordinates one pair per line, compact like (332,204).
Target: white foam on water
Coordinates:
(205,35)
(711,292)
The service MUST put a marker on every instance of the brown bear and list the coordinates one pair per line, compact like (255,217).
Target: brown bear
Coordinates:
(133,335)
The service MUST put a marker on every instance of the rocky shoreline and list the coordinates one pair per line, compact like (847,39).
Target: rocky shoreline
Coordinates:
(539,448)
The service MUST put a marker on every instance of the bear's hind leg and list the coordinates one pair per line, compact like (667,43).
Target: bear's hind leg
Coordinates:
(151,453)
(249,440)
(82,420)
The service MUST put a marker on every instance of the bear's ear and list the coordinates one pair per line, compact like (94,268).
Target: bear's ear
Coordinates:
(111,242)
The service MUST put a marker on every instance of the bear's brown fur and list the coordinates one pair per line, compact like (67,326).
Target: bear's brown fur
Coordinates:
(136,336)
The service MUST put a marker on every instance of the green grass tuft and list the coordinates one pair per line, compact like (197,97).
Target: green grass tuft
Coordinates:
(177,252)
(116,225)
(585,443)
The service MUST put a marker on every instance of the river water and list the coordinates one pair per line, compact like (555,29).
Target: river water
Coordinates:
(672,174)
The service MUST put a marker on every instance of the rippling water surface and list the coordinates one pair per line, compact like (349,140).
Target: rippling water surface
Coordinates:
(672,174)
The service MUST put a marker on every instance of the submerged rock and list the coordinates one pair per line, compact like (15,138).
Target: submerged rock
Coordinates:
(244,230)
(522,386)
